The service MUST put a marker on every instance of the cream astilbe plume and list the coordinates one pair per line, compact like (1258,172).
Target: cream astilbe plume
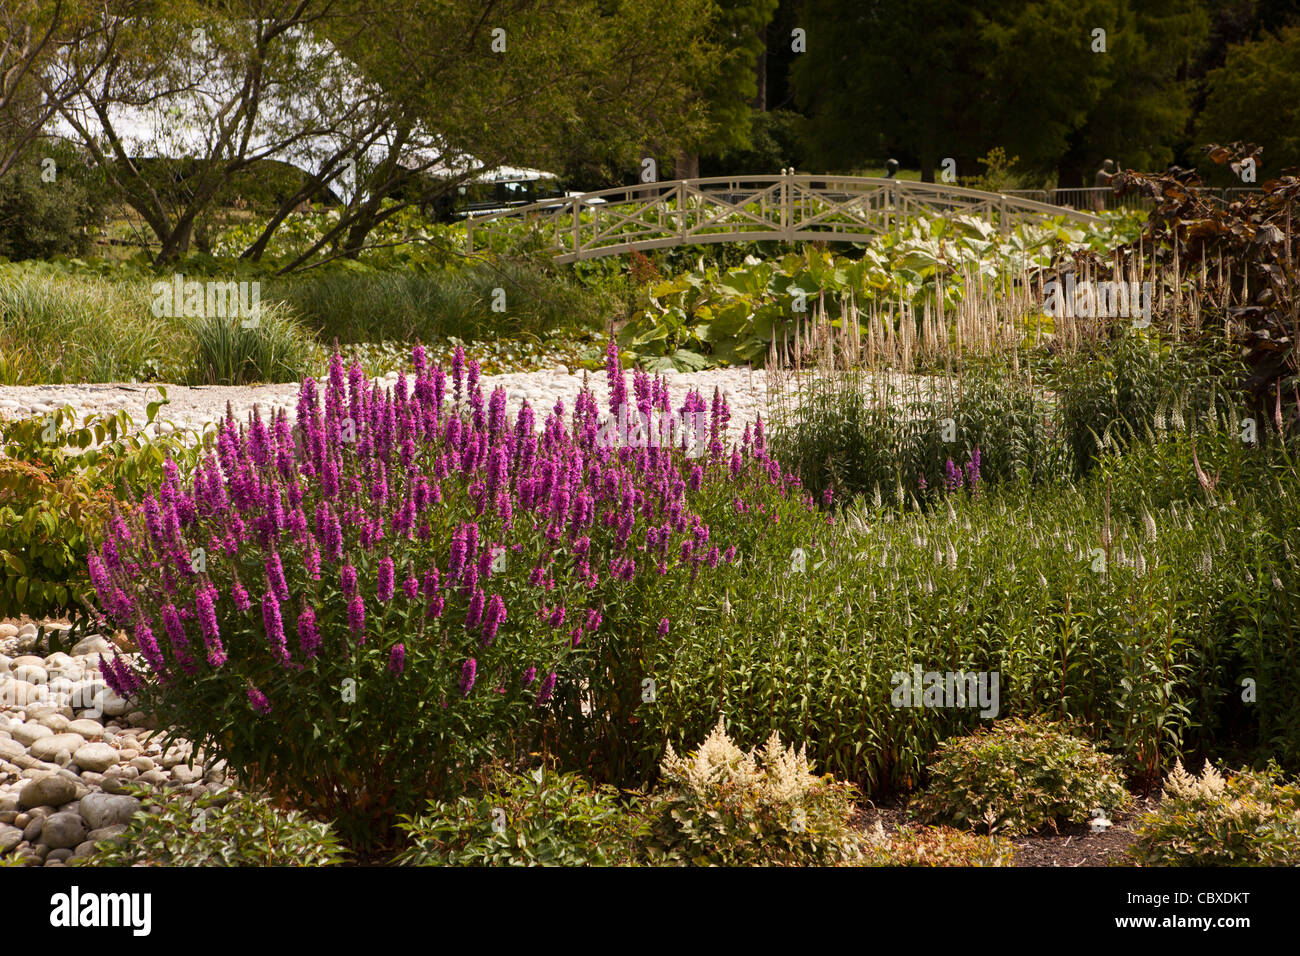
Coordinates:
(788,776)
(1182,785)
(718,761)
(1178,785)
(774,774)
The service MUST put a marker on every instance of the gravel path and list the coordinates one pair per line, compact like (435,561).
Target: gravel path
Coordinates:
(746,392)
(749,394)
(68,747)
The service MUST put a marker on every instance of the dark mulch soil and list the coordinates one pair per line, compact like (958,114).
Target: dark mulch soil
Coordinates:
(1073,844)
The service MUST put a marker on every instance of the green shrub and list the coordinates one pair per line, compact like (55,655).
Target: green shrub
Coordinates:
(42,216)
(1017,778)
(1252,818)
(44,540)
(937,846)
(725,807)
(277,348)
(370,624)
(59,478)
(222,829)
(856,432)
(534,819)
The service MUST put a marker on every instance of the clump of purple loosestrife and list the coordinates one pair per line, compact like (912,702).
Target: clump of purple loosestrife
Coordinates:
(314,519)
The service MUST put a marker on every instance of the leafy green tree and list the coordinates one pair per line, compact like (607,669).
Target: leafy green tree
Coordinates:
(386,105)
(32,33)
(729,82)
(594,84)
(1040,78)
(895,71)
(1255,97)
(49,200)
(942,78)
(1145,100)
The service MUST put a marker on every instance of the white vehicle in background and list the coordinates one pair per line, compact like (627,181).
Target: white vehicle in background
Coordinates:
(503,189)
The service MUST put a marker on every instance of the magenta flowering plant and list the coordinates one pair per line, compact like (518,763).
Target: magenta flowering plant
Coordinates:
(355,607)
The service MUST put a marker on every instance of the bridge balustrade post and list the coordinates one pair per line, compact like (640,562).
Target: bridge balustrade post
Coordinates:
(577,226)
(681,211)
(787,206)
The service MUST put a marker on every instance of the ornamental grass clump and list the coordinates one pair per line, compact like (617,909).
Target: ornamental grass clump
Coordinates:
(355,608)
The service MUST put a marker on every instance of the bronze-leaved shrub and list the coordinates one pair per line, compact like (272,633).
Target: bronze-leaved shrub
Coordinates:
(1018,777)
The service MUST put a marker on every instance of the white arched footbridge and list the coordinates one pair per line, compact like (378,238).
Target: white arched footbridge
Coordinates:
(785,207)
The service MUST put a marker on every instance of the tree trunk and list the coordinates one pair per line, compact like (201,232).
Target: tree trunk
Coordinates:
(688,165)
(358,231)
(176,242)
(927,165)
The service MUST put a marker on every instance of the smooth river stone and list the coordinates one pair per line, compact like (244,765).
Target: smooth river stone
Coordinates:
(28,733)
(49,748)
(63,830)
(53,790)
(95,757)
(86,727)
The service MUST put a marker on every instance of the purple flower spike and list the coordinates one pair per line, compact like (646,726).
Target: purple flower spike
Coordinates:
(260,704)
(547,689)
(148,645)
(467,672)
(385,590)
(274,626)
(357,618)
(952,480)
(973,470)
(275,574)
(493,618)
(397,659)
(308,633)
(474,617)
(207,611)
(242,601)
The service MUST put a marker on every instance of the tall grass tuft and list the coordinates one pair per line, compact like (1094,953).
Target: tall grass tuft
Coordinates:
(56,329)
(364,306)
(276,349)
(1113,392)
